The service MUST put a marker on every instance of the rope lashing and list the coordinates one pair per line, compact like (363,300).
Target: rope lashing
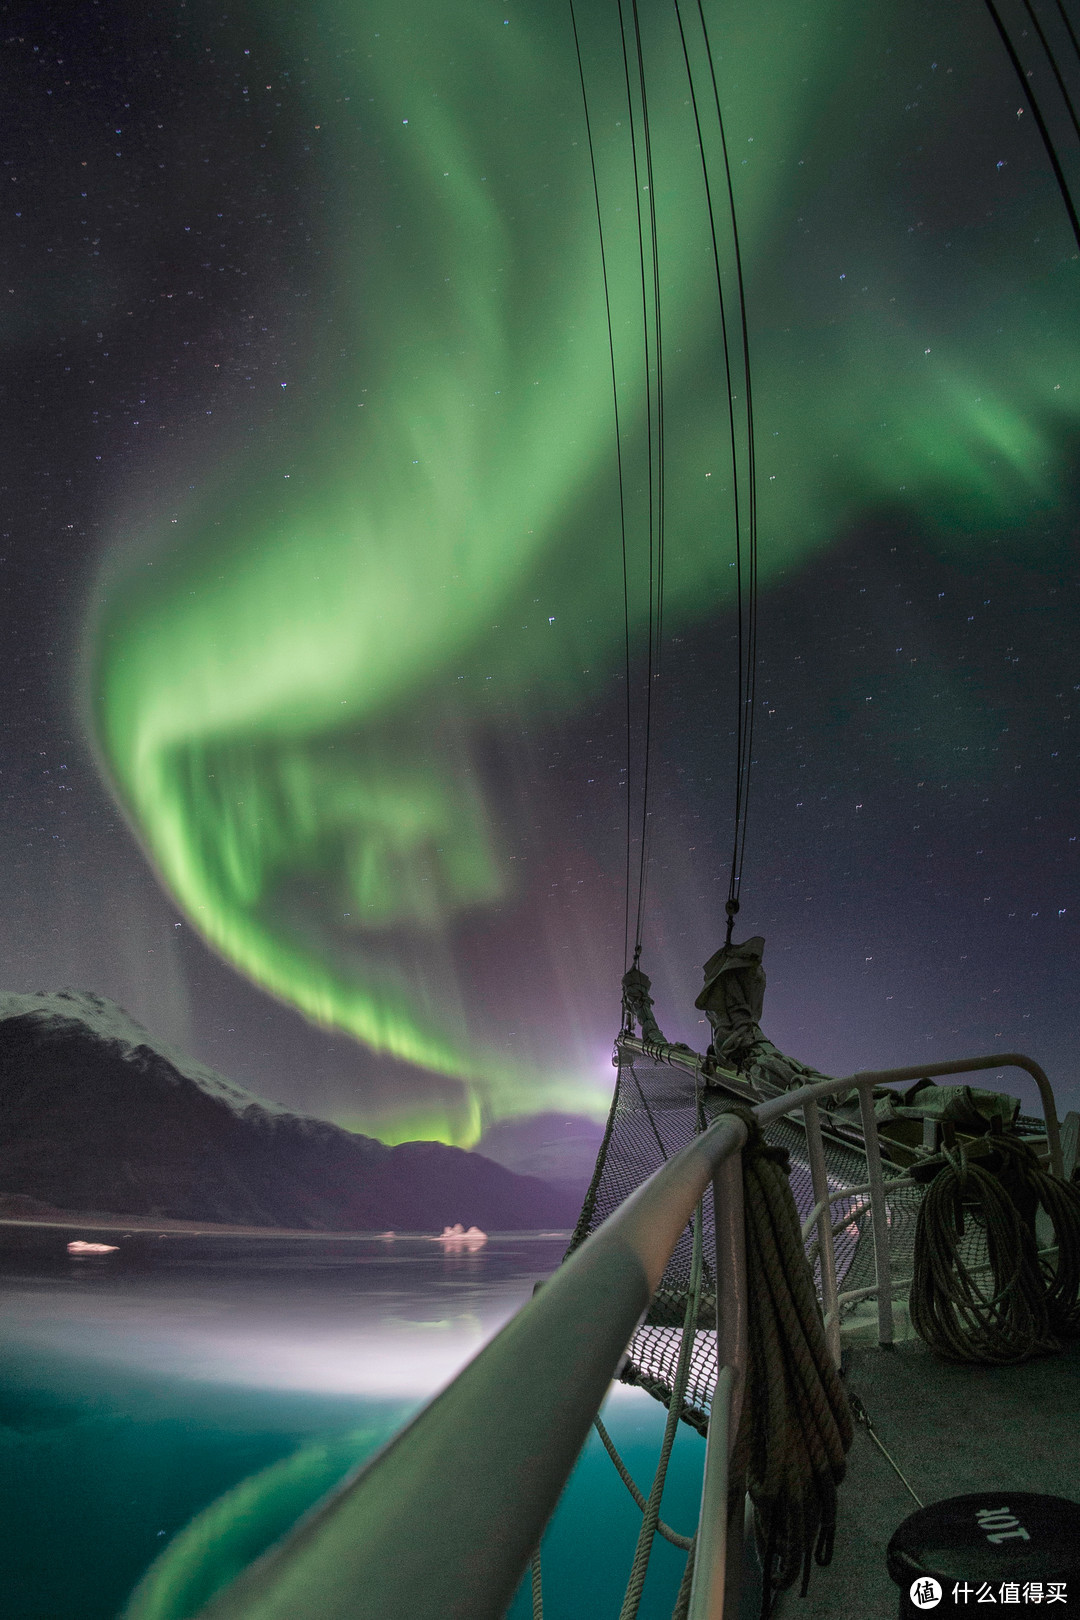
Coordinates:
(638,1004)
(1029,1304)
(796,1425)
(731,906)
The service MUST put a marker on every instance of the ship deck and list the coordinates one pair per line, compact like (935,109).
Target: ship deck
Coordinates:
(952,1430)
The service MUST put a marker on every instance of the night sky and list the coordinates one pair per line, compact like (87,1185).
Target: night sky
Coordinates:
(313,681)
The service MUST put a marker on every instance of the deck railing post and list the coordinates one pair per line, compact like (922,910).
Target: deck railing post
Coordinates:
(878,1213)
(709,1594)
(815,1152)
(731,1306)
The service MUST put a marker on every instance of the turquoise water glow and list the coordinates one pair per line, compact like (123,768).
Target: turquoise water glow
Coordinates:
(136,1395)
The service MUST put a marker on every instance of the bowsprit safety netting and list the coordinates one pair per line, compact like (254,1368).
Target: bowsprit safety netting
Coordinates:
(657,1109)
(663,1097)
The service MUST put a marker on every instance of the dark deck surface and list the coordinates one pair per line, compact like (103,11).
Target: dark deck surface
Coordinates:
(953,1430)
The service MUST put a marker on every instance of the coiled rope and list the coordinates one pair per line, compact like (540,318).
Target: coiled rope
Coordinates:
(1029,1303)
(796,1425)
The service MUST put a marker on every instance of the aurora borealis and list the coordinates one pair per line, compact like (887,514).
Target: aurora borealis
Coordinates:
(350,629)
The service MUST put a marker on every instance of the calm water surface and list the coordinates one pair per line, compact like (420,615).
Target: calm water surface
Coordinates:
(137,1388)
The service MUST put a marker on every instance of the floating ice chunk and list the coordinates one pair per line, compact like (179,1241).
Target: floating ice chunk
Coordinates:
(456,1237)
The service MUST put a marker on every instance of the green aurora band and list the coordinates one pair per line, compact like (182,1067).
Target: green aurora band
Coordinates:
(291,683)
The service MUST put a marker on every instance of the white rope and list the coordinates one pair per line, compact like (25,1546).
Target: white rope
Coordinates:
(677,1540)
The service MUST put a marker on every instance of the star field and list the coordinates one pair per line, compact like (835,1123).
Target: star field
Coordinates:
(310,564)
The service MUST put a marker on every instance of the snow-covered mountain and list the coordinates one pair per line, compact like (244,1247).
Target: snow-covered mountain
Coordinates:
(95,1114)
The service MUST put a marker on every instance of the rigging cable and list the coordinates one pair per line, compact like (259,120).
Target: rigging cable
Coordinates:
(1054,68)
(619,466)
(654,427)
(1036,111)
(745,511)
(653,354)
(744,485)
(1063,14)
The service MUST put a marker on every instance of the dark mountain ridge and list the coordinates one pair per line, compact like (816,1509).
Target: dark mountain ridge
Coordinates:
(97,1115)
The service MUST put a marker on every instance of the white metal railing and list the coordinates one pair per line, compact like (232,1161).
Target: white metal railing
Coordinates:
(806,1098)
(441,1524)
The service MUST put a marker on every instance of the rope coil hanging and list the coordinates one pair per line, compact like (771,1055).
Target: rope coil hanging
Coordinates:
(1031,1303)
(796,1427)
